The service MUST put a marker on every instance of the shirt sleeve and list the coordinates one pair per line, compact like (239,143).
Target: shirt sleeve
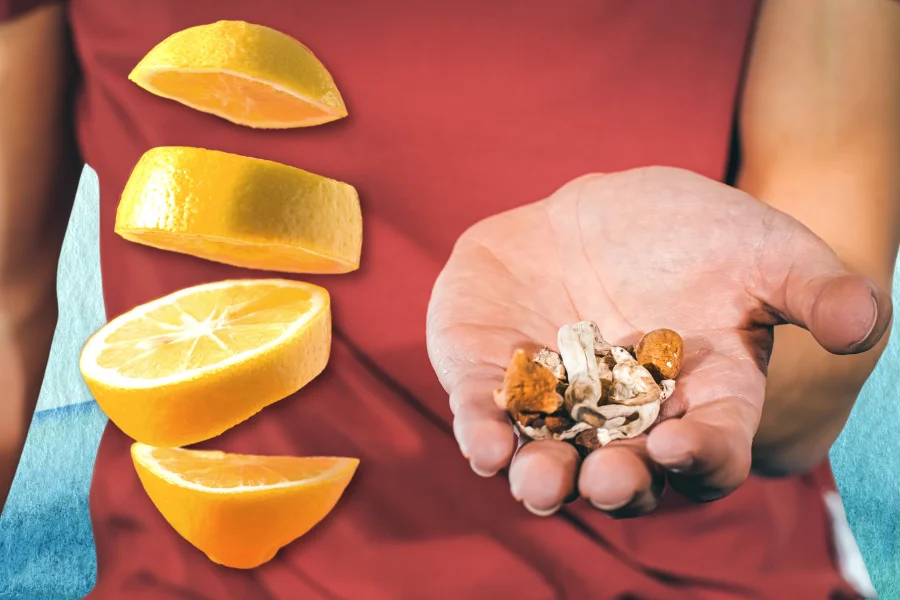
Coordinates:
(9,9)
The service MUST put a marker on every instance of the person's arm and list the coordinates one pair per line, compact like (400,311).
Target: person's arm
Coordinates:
(39,168)
(820,140)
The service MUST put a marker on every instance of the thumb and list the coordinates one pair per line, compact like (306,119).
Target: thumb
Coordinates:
(803,281)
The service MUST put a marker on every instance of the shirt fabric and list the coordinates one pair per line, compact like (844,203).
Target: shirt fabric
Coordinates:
(458,110)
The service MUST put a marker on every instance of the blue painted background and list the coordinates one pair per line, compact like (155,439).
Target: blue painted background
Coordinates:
(46,548)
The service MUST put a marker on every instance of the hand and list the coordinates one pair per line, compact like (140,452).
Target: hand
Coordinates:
(633,251)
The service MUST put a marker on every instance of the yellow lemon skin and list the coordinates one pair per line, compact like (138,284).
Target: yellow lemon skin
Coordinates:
(241,527)
(166,381)
(248,74)
(241,211)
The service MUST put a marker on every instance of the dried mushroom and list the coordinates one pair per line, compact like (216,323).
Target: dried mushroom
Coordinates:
(576,347)
(587,441)
(661,352)
(633,385)
(591,393)
(558,422)
(553,361)
(529,386)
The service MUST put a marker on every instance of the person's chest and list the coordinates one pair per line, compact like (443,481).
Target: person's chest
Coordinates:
(457,109)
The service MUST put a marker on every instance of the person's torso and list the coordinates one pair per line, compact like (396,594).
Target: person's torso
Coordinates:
(458,110)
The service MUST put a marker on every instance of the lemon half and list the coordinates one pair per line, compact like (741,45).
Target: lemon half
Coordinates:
(188,366)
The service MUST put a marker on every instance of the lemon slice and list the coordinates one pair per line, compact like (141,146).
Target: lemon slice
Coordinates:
(248,74)
(250,505)
(241,211)
(188,366)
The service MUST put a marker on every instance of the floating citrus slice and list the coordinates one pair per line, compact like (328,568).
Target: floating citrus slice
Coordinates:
(241,211)
(188,366)
(239,509)
(248,74)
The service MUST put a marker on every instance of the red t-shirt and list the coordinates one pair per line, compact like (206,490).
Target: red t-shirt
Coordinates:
(458,110)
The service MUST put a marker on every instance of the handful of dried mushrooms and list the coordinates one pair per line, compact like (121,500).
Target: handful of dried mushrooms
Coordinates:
(591,393)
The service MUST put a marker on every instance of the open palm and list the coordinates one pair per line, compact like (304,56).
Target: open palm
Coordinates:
(635,251)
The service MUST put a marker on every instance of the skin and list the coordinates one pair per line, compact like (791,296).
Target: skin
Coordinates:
(820,139)
(820,121)
(39,170)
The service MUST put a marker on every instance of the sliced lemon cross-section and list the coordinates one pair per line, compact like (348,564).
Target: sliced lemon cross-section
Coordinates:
(188,366)
(240,509)
(248,74)
(241,211)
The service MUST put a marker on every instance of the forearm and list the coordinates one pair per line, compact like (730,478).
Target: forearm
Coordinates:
(820,131)
(820,123)
(38,173)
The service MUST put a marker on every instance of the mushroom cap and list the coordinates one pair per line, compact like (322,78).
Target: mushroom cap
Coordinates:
(633,385)
(661,352)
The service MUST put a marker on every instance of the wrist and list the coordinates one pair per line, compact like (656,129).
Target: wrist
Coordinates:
(809,396)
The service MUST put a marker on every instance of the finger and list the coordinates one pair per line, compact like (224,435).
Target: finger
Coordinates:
(621,480)
(804,282)
(707,451)
(542,475)
(845,313)
(483,431)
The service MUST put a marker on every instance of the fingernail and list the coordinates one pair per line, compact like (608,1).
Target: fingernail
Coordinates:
(678,465)
(864,338)
(480,472)
(541,513)
(607,507)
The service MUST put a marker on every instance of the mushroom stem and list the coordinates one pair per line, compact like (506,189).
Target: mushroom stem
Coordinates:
(576,346)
